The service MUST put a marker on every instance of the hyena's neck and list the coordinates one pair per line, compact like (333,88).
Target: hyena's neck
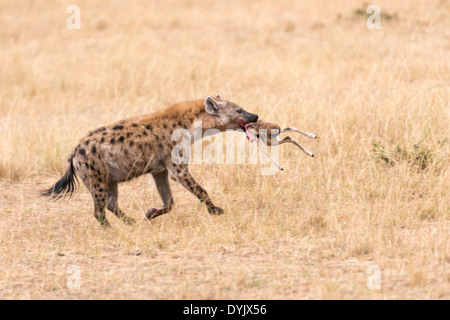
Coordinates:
(206,122)
(186,115)
(202,125)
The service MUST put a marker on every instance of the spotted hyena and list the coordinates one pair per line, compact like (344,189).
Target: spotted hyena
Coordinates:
(130,148)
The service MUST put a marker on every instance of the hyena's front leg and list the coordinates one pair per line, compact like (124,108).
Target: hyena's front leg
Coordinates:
(162,184)
(181,174)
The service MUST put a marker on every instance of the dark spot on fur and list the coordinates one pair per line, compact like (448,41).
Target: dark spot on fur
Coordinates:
(118,128)
(134,125)
(113,140)
(93,150)
(149,127)
(82,151)
(129,134)
(121,139)
(103,140)
(86,142)
(179,123)
(173,125)
(165,126)
(131,143)
(144,133)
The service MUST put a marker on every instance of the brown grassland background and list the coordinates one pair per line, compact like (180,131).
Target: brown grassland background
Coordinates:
(377,193)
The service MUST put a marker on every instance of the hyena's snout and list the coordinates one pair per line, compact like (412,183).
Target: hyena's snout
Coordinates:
(253,117)
(250,117)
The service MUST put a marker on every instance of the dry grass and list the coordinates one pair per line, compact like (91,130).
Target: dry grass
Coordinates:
(308,232)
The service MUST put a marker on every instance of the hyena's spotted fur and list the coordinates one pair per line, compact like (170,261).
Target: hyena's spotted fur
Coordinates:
(133,147)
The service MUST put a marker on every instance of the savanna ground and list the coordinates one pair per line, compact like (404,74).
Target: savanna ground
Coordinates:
(377,193)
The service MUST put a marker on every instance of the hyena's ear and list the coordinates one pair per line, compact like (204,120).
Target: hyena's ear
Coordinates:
(219,97)
(211,106)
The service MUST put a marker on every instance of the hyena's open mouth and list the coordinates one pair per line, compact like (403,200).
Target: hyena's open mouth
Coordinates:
(244,126)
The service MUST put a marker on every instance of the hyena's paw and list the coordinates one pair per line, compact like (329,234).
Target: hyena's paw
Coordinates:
(215,211)
(153,213)
(129,221)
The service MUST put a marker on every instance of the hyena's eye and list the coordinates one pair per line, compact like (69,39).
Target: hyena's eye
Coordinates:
(239,111)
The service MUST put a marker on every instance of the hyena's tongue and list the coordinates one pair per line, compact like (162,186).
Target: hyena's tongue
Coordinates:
(249,135)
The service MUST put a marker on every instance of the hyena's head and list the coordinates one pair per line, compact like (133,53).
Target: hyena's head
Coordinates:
(228,115)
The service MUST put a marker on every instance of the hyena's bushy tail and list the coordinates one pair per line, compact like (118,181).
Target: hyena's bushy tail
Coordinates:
(66,186)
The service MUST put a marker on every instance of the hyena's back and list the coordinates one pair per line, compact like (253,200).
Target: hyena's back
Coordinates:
(119,152)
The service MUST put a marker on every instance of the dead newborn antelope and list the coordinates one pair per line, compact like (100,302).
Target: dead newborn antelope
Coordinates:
(265,131)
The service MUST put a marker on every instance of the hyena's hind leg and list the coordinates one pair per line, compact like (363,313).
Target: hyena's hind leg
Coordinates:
(99,210)
(113,204)
(163,186)
(99,192)
(95,180)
